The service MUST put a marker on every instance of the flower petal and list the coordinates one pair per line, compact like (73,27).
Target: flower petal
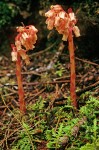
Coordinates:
(76,31)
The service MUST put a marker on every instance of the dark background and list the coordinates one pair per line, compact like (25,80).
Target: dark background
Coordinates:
(15,12)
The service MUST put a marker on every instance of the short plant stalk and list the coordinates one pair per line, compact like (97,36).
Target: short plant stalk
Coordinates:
(20,85)
(72,72)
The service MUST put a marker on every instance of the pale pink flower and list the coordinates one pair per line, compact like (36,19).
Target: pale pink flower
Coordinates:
(50,13)
(24,56)
(62,21)
(18,45)
(72,16)
(56,8)
(76,31)
(24,41)
(27,37)
(53,16)
(65,35)
(62,14)
(50,23)
(14,53)
(14,56)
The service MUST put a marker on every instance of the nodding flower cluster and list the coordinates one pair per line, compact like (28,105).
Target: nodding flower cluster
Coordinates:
(24,41)
(62,21)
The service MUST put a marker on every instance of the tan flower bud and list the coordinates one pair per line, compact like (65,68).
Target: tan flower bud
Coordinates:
(76,31)
(72,16)
(14,56)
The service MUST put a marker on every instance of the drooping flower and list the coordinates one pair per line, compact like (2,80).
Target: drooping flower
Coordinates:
(24,41)
(27,37)
(76,31)
(62,21)
(14,53)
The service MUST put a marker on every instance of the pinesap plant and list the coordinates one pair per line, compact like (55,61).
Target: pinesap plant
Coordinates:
(65,25)
(26,38)
(24,42)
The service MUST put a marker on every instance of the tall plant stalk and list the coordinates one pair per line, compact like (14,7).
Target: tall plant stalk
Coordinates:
(72,70)
(20,85)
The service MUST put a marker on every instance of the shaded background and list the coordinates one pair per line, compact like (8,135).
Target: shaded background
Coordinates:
(15,12)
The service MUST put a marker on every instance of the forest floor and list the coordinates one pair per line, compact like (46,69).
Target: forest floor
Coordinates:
(46,83)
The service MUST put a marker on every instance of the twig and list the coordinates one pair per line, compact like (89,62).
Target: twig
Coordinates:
(37,94)
(83,60)
(19,123)
(43,51)
(6,86)
(39,83)
(87,88)
(53,82)
(86,61)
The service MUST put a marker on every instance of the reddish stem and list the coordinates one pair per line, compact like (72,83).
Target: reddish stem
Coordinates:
(72,67)
(20,86)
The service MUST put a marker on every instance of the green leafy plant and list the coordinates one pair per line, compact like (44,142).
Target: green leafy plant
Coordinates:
(59,126)
(59,68)
(7,13)
(23,144)
(92,127)
(54,137)
(25,139)
(91,146)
